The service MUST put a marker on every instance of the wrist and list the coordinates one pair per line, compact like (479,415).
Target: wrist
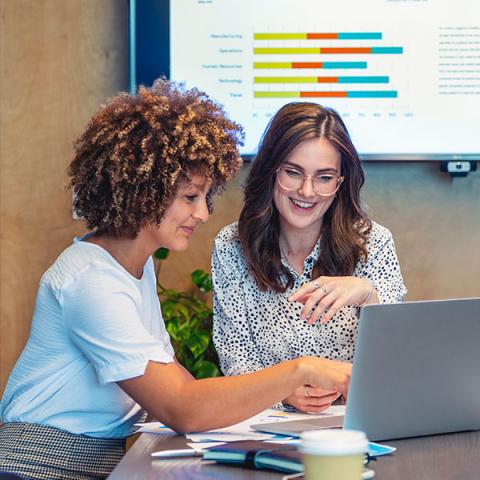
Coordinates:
(307,368)
(368,296)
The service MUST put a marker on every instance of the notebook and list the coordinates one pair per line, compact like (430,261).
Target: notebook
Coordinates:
(262,455)
(415,372)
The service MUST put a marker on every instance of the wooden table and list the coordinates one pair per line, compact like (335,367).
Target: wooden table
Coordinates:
(454,457)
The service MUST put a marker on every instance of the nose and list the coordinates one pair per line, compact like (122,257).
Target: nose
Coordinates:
(306,190)
(201,211)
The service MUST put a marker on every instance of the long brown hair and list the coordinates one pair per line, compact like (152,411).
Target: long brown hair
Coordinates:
(345,225)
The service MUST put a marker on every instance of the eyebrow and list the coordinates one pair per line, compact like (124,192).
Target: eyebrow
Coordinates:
(321,170)
(197,186)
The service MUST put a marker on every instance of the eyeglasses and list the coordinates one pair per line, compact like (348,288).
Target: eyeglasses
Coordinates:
(323,184)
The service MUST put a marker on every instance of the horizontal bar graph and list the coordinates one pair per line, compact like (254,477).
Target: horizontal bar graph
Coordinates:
(326,65)
(338,79)
(280,82)
(325,50)
(319,36)
(328,94)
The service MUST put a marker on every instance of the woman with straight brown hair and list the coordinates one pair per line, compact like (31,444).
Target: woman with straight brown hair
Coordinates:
(291,276)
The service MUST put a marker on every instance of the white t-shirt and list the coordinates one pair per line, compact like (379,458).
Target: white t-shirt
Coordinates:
(94,324)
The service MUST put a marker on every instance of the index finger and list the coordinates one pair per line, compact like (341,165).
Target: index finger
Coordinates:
(305,289)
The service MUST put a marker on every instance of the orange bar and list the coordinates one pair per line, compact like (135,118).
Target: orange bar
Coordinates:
(327,79)
(322,36)
(322,94)
(346,50)
(307,64)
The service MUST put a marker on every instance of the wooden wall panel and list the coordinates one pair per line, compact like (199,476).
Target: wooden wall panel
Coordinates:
(59,61)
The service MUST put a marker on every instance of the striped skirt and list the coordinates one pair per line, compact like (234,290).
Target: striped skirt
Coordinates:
(41,452)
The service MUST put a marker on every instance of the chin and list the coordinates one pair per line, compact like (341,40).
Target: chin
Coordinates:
(178,247)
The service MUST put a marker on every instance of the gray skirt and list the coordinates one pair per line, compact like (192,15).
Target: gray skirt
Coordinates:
(41,452)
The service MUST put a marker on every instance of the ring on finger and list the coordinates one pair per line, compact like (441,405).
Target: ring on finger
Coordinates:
(317,286)
(307,393)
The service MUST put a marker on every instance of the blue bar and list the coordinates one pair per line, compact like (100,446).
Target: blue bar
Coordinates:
(387,49)
(384,94)
(363,79)
(344,64)
(360,36)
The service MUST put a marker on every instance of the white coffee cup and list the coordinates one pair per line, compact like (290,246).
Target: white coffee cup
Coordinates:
(333,454)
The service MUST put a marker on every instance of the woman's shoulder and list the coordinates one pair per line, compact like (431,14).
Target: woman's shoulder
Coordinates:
(227,251)
(79,260)
(379,233)
(227,239)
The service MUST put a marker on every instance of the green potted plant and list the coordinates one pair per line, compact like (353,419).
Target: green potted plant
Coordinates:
(188,319)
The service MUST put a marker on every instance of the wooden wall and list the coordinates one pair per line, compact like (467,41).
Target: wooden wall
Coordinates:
(58,61)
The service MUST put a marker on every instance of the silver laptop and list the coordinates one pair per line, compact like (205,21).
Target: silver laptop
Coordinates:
(416,371)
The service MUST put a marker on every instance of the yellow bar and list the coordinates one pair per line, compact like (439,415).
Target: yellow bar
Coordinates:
(279,36)
(285,80)
(270,51)
(276,94)
(272,65)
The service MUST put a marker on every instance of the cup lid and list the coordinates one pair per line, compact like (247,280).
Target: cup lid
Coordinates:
(333,442)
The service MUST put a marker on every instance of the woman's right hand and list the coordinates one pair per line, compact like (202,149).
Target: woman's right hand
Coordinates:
(311,399)
(331,375)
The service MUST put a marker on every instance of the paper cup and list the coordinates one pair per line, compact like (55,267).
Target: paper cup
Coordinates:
(333,454)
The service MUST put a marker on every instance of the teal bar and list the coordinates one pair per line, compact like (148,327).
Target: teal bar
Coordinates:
(363,79)
(384,94)
(360,36)
(387,49)
(344,64)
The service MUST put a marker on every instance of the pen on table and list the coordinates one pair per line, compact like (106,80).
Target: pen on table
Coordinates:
(183,452)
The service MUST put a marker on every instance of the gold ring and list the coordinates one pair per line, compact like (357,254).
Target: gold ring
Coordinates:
(305,389)
(316,285)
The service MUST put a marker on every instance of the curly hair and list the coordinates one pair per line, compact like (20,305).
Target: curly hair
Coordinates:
(345,226)
(136,150)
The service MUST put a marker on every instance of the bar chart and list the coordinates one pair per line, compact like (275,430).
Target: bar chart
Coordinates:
(275,58)
(397,71)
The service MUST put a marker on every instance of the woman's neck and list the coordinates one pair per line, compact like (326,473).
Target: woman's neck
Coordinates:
(130,253)
(296,246)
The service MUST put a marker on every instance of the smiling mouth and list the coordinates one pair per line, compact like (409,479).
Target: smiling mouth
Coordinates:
(302,205)
(188,230)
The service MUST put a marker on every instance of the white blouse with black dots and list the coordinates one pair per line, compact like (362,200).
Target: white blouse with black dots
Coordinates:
(254,329)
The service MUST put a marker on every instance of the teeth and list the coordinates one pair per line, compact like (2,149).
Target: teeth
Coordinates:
(302,204)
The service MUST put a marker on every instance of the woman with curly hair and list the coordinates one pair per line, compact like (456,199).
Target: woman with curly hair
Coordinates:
(303,250)
(98,355)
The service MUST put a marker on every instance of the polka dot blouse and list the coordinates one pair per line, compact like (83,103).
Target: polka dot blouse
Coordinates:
(254,329)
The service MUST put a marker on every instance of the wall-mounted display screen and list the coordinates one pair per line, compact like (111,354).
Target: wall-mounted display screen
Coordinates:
(404,74)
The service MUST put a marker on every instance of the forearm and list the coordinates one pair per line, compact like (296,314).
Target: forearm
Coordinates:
(174,397)
(218,402)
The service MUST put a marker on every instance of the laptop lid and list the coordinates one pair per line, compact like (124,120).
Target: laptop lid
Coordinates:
(416,369)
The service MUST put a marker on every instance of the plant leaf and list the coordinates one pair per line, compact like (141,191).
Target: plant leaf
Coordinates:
(202,280)
(197,343)
(161,253)
(205,369)
(173,328)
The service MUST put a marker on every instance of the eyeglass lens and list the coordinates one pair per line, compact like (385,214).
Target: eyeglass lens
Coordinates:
(322,183)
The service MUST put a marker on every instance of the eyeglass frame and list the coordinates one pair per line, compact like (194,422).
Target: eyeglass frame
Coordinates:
(339,178)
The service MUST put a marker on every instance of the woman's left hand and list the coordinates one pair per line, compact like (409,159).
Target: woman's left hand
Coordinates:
(325,296)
